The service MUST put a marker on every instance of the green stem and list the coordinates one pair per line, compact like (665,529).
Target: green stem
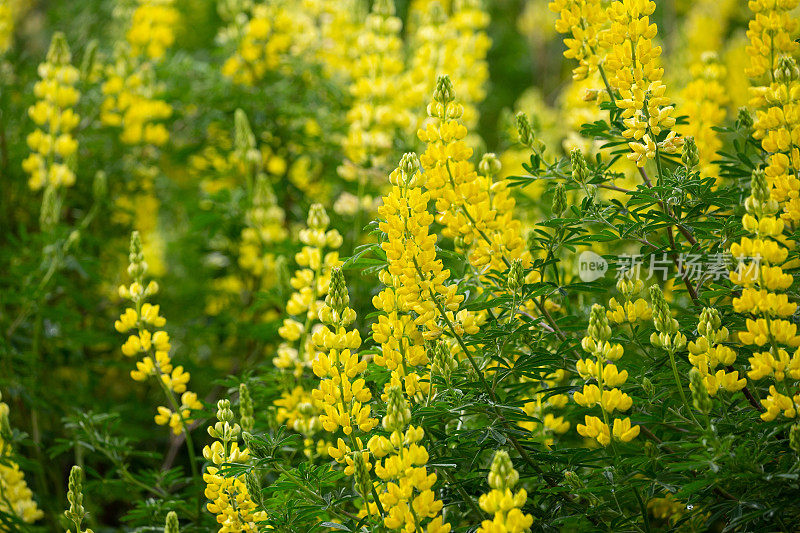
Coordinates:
(680,387)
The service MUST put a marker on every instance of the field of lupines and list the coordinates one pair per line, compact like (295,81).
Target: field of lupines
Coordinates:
(421,266)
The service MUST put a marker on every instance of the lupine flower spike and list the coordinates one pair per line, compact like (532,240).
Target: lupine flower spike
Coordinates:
(502,502)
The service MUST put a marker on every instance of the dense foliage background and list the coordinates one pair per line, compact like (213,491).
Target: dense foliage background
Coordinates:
(222,131)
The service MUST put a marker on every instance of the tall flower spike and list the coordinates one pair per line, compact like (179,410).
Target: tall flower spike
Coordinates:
(448,38)
(583,21)
(130,86)
(501,502)
(229,497)
(773,33)
(53,145)
(634,70)
(707,353)
(18,498)
(379,112)
(763,299)
(600,368)
(343,394)
(406,494)
(264,228)
(475,210)
(76,512)
(704,99)
(152,342)
(296,354)
(416,290)
(171,525)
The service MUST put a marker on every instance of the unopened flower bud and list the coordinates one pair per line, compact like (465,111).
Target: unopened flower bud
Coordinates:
(253,485)
(515,276)
(443,93)
(171,525)
(362,479)
(58,53)
(580,172)
(490,165)
(245,408)
(398,414)
(525,129)
(787,70)
(690,156)
(744,120)
(559,200)
(502,474)
(317,217)
(648,387)
(700,398)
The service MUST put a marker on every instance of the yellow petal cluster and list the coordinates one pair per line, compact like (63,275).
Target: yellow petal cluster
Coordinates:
(475,210)
(707,353)
(502,502)
(150,341)
(297,406)
(53,146)
(769,329)
(343,394)
(542,407)
(603,377)
(449,39)
(416,292)
(629,310)
(705,99)
(633,68)
(379,112)
(17,498)
(406,494)
(275,32)
(775,91)
(229,498)
(583,21)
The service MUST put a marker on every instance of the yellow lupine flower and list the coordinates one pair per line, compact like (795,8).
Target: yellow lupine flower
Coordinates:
(152,29)
(633,69)
(379,112)
(342,394)
(705,99)
(502,502)
(229,497)
(475,210)
(708,352)
(774,74)
(53,148)
(630,310)
(299,408)
(415,280)
(154,344)
(401,465)
(17,498)
(273,34)
(607,377)
(767,329)
(453,39)
(584,20)
(265,227)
